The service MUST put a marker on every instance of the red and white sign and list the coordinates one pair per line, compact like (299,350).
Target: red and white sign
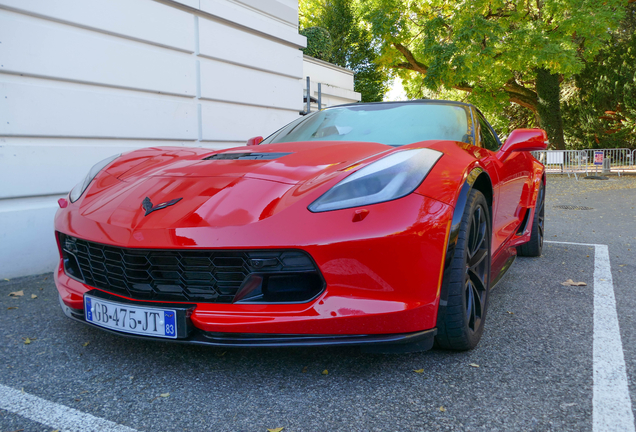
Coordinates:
(598,158)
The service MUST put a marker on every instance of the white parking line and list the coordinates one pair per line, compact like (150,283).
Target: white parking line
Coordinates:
(611,404)
(54,415)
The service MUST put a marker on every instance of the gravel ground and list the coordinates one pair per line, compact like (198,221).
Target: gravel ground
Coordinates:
(562,185)
(531,372)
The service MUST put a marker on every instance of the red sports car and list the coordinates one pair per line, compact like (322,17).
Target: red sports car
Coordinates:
(383,225)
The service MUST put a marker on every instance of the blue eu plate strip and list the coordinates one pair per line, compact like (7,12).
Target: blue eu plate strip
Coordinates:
(87,306)
(169,320)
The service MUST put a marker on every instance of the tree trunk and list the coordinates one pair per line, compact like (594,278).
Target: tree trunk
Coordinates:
(549,107)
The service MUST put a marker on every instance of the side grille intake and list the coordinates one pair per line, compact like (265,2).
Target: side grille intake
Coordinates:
(209,276)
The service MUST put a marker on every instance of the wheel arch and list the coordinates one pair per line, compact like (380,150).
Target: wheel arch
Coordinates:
(484,185)
(478,179)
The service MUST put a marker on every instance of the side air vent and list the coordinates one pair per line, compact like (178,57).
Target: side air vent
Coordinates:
(524,223)
(245,156)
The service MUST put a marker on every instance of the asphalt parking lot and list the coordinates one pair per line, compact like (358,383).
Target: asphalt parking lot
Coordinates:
(533,370)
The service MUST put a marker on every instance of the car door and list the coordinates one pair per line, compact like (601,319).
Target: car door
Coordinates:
(509,179)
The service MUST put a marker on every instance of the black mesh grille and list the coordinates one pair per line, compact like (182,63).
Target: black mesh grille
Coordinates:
(212,276)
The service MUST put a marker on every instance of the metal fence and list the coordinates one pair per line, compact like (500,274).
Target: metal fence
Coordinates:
(588,161)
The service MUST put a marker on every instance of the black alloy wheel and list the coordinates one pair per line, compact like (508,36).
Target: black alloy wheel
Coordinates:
(476,267)
(461,323)
(534,246)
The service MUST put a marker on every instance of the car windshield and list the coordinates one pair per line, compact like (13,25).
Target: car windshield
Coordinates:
(393,124)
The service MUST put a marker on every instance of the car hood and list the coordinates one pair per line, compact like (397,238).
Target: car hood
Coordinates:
(290,163)
(226,188)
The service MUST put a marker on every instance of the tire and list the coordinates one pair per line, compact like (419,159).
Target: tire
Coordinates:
(461,324)
(534,246)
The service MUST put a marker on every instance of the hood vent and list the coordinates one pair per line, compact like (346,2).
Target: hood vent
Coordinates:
(246,156)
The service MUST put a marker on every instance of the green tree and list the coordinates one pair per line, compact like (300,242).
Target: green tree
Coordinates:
(602,113)
(318,43)
(353,45)
(498,51)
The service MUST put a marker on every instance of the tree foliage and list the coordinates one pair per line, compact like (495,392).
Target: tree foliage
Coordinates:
(495,51)
(318,43)
(353,45)
(602,113)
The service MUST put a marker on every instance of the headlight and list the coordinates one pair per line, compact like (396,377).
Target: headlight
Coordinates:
(392,177)
(79,189)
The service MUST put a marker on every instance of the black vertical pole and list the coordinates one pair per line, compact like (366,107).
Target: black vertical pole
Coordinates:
(308,95)
(319,96)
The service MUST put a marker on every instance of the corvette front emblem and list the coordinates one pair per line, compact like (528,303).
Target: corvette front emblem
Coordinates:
(146,204)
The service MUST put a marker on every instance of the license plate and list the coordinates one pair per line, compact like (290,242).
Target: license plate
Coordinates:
(128,318)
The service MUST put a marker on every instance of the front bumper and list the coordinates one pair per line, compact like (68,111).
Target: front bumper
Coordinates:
(382,275)
(381,343)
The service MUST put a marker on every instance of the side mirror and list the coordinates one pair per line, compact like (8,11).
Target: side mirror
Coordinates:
(524,140)
(254,141)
